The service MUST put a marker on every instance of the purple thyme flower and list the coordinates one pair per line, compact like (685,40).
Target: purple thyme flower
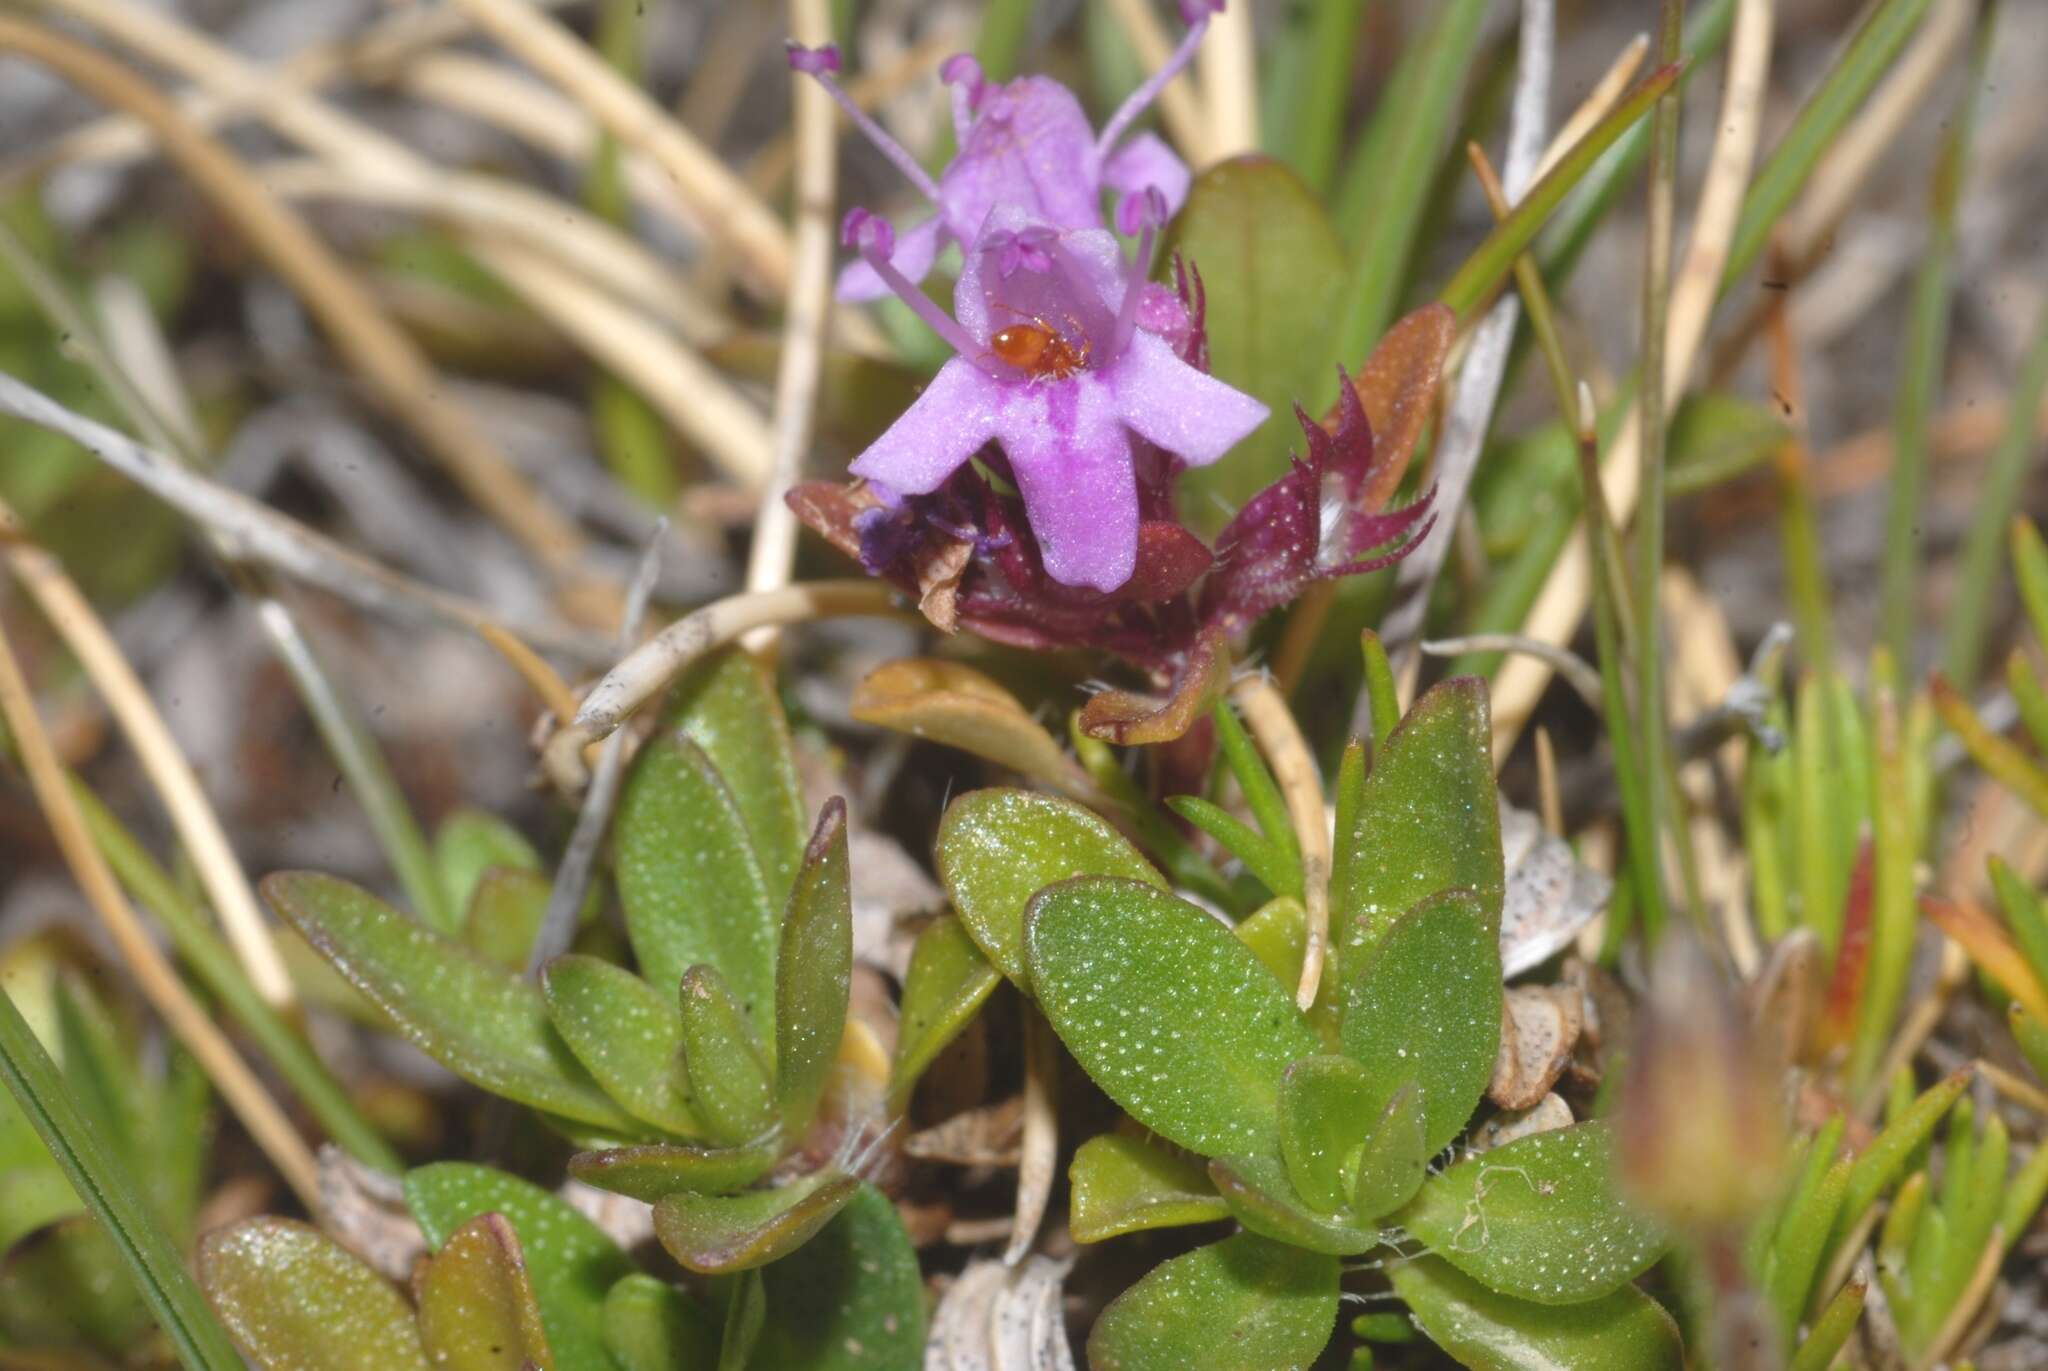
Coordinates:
(1052,365)
(1024,143)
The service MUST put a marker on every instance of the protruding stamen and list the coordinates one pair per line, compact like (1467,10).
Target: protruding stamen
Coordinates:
(819,64)
(1141,212)
(963,74)
(1196,13)
(870,236)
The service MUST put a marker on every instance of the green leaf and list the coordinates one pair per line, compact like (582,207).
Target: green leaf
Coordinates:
(1716,437)
(746,1311)
(569,1259)
(1174,1017)
(653,1170)
(2032,1036)
(689,879)
(813,971)
(65,1287)
(1243,1304)
(484,1023)
(297,1301)
(625,1033)
(1395,1159)
(1261,796)
(469,843)
(1264,1201)
(731,1085)
(1268,255)
(477,1309)
(998,848)
(1424,1007)
(944,988)
(1123,1184)
(1801,1242)
(504,915)
(1427,819)
(850,1299)
(33,1197)
(717,1234)
(649,1325)
(1326,1110)
(2026,915)
(1880,1163)
(1487,1331)
(1537,1218)
(726,704)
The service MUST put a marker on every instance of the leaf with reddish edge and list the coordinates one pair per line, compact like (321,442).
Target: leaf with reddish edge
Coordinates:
(296,1300)
(1398,386)
(946,702)
(477,1307)
(1130,720)
(1845,985)
(1994,952)
(717,1234)
(651,1170)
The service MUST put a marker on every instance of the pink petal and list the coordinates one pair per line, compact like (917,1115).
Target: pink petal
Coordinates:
(928,442)
(1145,160)
(1072,460)
(913,256)
(1030,147)
(1190,414)
(984,302)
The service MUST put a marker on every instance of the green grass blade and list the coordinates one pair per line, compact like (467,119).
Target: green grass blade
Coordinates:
(1865,58)
(1896,845)
(1261,793)
(1926,355)
(1830,1331)
(1307,85)
(159,1269)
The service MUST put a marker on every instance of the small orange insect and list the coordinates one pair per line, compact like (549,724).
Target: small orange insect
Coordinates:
(1039,349)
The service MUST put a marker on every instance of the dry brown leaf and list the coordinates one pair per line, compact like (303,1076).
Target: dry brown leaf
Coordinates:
(1549,896)
(1539,1028)
(366,1213)
(992,1135)
(1132,720)
(1547,1113)
(1397,387)
(1000,1318)
(958,706)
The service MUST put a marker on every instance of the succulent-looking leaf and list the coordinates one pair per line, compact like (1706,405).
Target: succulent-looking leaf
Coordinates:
(504,915)
(689,880)
(469,843)
(731,1085)
(1395,1160)
(626,1034)
(295,1300)
(569,1259)
(726,705)
(813,971)
(1424,1006)
(717,1234)
(1538,1219)
(948,703)
(1174,1017)
(1326,1110)
(657,1169)
(946,984)
(649,1325)
(477,1309)
(1243,1304)
(486,1024)
(68,1286)
(1625,1330)
(850,1299)
(1123,1184)
(1260,1195)
(1427,820)
(998,848)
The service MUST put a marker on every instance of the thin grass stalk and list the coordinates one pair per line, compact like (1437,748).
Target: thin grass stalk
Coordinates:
(1925,359)
(1798,528)
(1307,88)
(168,1289)
(1896,848)
(1969,610)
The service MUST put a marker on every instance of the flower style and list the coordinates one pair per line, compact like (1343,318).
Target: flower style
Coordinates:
(1053,366)
(1024,144)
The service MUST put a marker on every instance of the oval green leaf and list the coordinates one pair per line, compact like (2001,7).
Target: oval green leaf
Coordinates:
(946,984)
(625,1033)
(726,704)
(1487,1331)
(1260,1195)
(1326,1110)
(470,842)
(1538,1218)
(504,915)
(486,1024)
(1426,821)
(724,1062)
(998,848)
(689,880)
(1395,1160)
(653,1170)
(650,1325)
(295,1300)
(569,1259)
(1174,1017)
(1124,1185)
(715,1235)
(1423,1006)
(477,1310)
(813,971)
(1243,1304)
(850,1299)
